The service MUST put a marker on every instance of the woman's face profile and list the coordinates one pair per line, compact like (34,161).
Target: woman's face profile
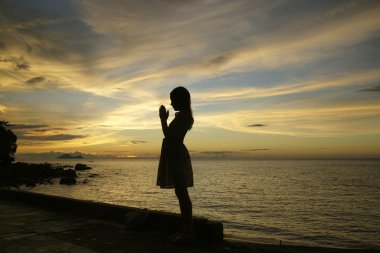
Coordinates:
(174,103)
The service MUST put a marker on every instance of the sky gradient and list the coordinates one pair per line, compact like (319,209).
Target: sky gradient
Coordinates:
(268,79)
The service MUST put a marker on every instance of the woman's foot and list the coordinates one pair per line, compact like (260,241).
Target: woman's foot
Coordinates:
(185,238)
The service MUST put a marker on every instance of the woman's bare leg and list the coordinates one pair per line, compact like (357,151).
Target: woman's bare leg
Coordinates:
(186,208)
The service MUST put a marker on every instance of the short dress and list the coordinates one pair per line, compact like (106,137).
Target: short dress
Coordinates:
(175,169)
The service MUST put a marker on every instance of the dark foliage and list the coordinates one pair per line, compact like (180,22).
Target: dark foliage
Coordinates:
(8,144)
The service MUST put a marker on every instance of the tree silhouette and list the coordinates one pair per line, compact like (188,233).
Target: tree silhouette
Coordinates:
(8,144)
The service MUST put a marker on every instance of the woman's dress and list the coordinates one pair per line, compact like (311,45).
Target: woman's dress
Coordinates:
(174,169)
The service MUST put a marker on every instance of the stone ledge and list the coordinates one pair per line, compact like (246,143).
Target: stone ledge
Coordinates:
(206,230)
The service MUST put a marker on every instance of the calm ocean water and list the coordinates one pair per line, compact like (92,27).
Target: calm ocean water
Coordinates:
(332,203)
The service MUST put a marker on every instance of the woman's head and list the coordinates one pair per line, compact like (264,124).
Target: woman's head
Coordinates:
(181,101)
(180,98)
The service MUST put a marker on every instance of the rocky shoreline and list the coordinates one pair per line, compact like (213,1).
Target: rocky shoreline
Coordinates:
(30,174)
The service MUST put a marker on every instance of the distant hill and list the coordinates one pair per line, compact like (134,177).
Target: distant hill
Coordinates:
(70,156)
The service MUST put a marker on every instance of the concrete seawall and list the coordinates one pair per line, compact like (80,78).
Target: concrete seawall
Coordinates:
(34,223)
(134,218)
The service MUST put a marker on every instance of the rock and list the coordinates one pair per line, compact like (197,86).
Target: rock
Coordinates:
(68,180)
(31,174)
(81,166)
(59,170)
(93,175)
(68,173)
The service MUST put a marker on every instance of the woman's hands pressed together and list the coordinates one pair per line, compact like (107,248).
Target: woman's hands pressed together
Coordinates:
(164,114)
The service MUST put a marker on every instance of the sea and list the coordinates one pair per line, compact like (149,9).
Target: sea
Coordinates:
(328,203)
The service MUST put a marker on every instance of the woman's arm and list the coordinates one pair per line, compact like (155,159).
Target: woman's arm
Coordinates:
(164,114)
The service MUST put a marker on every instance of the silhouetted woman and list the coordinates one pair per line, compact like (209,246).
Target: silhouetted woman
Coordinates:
(175,170)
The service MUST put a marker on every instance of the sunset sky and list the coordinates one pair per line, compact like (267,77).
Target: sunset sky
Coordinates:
(267,78)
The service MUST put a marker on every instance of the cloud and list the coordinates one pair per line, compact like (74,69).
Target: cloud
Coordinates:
(375,89)
(216,154)
(362,77)
(31,130)
(158,55)
(31,144)
(138,142)
(257,149)
(113,63)
(180,2)
(2,45)
(308,121)
(42,132)
(51,35)
(26,126)
(219,60)
(60,108)
(256,125)
(37,79)
(19,63)
(137,113)
(55,137)
(125,143)
(47,31)
(295,43)
(51,129)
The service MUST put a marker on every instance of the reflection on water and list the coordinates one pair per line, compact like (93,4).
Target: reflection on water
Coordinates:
(323,202)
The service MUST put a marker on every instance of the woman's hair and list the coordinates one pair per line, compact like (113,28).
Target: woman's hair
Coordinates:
(182,97)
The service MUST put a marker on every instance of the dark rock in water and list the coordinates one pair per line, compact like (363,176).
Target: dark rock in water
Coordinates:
(31,174)
(93,175)
(28,174)
(86,181)
(68,180)
(59,170)
(70,156)
(68,173)
(81,166)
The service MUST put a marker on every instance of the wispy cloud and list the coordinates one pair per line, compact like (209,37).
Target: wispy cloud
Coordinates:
(138,142)
(147,43)
(257,125)
(26,126)
(35,80)
(256,149)
(313,122)
(358,79)
(44,130)
(375,89)
(55,137)
(216,154)
(18,63)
